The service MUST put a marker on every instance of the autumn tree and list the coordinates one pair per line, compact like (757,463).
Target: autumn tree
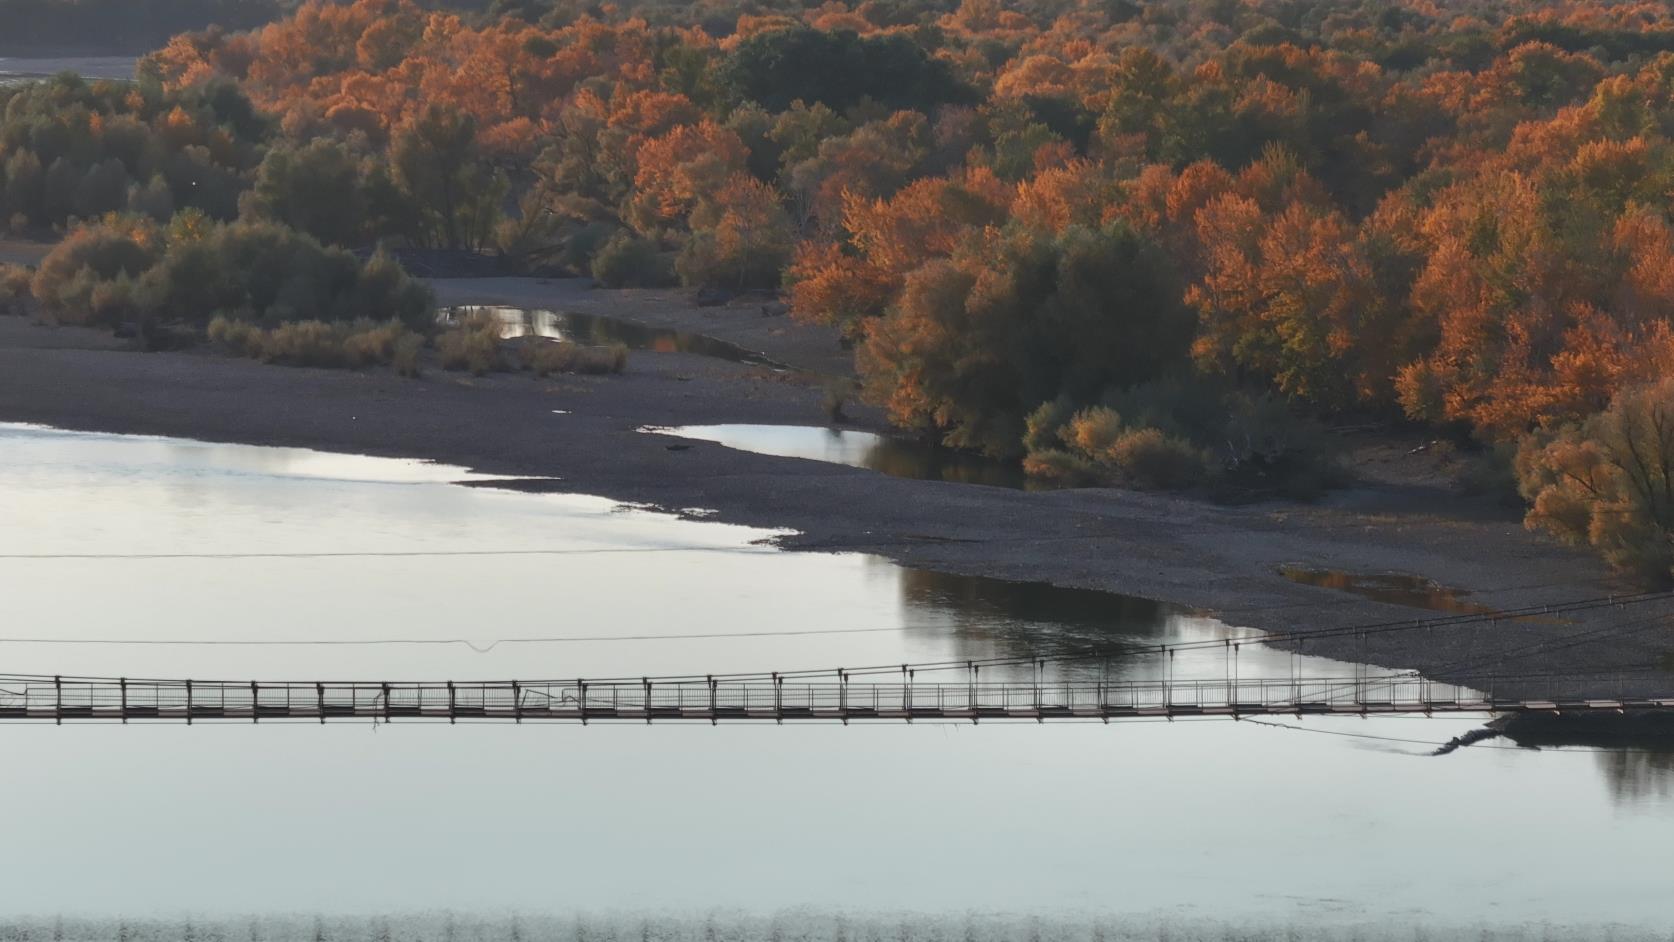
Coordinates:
(438,167)
(1609,482)
(977,341)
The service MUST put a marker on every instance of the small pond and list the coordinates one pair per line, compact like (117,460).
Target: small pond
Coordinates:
(597,329)
(886,454)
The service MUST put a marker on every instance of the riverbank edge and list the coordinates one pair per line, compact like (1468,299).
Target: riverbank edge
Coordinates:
(1218,560)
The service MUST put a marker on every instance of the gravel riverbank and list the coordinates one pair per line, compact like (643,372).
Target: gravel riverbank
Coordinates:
(583,431)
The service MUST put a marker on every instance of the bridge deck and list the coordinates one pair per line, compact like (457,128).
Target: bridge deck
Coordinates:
(62,699)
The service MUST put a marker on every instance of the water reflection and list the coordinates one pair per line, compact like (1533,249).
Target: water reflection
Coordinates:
(1394,588)
(886,454)
(1634,752)
(597,329)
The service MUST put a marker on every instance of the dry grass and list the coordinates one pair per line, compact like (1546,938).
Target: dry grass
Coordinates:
(562,356)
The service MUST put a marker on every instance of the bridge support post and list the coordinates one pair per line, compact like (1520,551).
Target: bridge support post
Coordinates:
(188,703)
(255,703)
(124,683)
(452,705)
(843,696)
(581,700)
(58,700)
(517,702)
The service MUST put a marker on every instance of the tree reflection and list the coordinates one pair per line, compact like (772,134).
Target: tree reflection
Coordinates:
(997,618)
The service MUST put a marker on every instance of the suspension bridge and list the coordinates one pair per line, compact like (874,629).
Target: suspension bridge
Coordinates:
(81,699)
(961,691)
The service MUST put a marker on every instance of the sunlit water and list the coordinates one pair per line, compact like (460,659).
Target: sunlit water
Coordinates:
(14,70)
(1077,830)
(887,454)
(598,329)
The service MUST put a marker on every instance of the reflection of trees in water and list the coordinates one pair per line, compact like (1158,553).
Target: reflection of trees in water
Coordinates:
(905,458)
(1635,775)
(1636,749)
(996,618)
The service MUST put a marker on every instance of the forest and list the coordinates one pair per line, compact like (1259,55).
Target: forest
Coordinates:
(1156,243)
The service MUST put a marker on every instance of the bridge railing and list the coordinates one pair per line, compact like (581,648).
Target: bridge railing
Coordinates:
(83,698)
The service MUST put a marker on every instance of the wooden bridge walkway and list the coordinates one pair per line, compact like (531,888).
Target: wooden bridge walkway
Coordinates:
(85,699)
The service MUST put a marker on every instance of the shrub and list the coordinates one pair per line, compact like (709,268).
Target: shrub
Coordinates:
(1042,427)
(1055,464)
(473,345)
(405,357)
(14,289)
(317,343)
(834,399)
(1093,431)
(1148,458)
(628,262)
(582,244)
(131,269)
(68,282)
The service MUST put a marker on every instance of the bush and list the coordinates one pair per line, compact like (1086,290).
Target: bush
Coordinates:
(14,289)
(1148,458)
(1062,467)
(1093,431)
(834,399)
(1041,427)
(131,269)
(405,357)
(68,283)
(317,343)
(629,262)
(473,345)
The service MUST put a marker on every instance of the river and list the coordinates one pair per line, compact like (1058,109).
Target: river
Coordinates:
(1337,824)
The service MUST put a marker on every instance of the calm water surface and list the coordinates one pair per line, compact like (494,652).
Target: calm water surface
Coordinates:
(14,70)
(887,454)
(1182,822)
(599,330)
